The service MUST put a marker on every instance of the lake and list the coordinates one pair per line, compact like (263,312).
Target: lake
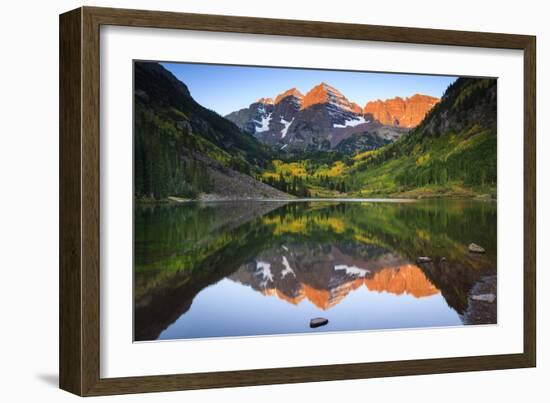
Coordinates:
(250,268)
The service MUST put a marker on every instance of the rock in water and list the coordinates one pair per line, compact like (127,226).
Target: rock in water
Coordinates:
(485,297)
(474,248)
(316,322)
(424,259)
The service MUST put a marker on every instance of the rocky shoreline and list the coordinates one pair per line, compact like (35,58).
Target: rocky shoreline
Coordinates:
(482,303)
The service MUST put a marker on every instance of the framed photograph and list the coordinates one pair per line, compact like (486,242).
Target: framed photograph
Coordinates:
(249,201)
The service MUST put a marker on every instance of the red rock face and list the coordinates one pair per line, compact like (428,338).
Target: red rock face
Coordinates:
(397,111)
(266,101)
(326,94)
(404,279)
(291,92)
(317,95)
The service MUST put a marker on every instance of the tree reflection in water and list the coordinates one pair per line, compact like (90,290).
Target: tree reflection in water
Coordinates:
(312,257)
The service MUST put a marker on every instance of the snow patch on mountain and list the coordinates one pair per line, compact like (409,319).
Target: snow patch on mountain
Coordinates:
(352,270)
(264,123)
(285,129)
(287,270)
(352,122)
(263,270)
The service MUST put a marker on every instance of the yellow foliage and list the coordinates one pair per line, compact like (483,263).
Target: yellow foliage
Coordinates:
(288,225)
(363,155)
(423,235)
(287,169)
(362,239)
(267,175)
(336,224)
(337,169)
(300,225)
(423,159)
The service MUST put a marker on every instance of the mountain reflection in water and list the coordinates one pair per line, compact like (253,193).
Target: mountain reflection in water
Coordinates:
(256,268)
(332,276)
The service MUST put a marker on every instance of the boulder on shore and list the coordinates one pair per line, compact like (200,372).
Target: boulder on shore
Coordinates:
(316,322)
(485,297)
(482,302)
(475,248)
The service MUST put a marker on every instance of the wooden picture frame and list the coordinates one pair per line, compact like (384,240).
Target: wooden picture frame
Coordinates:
(79,346)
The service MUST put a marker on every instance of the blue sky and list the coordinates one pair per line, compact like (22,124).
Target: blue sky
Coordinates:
(225,89)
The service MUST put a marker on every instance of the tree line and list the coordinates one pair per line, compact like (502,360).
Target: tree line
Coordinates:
(295,186)
(162,163)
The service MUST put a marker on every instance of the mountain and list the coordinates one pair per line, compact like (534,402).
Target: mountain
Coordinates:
(183,149)
(361,142)
(158,89)
(251,119)
(327,277)
(397,111)
(324,118)
(452,152)
(268,119)
(319,144)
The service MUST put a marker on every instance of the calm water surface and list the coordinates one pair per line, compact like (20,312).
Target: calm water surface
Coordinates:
(258,268)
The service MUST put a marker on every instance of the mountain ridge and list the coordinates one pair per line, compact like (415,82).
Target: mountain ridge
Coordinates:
(327,149)
(451,152)
(404,112)
(182,149)
(324,117)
